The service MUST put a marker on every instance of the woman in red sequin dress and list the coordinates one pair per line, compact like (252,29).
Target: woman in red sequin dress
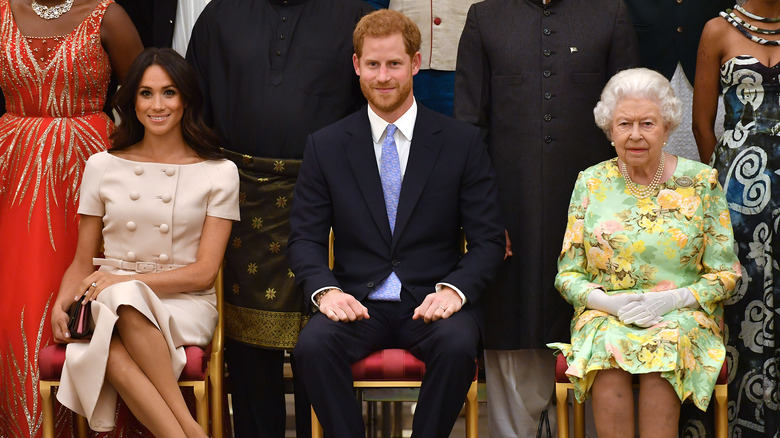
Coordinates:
(56,58)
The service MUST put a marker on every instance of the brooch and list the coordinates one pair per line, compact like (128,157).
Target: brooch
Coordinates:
(684,181)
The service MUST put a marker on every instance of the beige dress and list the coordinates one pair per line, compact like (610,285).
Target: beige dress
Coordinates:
(151,213)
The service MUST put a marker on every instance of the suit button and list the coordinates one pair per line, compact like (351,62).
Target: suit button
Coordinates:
(370,284)
(547,31)
(395,263)
(679,29)
(547,117)
(546,52)
(548,95)
(547,12)
(548,139)
(679,2)
(547,73)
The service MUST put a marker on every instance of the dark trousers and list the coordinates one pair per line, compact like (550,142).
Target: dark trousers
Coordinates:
(326,350)
(256,379)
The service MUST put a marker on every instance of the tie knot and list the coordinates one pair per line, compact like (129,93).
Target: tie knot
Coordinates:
(391,130)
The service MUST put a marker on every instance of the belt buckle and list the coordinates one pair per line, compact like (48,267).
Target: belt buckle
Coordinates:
(145,267)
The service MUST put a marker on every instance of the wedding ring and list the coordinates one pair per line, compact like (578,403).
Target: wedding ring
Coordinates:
(442,308)
(94,284)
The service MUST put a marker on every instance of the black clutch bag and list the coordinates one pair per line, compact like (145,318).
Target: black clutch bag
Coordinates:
(80,323)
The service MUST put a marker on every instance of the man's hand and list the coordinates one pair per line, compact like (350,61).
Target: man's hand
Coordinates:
(438,305)
(341,306)
(508,249)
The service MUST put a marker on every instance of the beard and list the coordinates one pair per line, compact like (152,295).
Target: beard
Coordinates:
(386,102)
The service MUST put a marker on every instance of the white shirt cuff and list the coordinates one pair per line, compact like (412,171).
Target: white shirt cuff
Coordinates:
(320,290)
(441,285)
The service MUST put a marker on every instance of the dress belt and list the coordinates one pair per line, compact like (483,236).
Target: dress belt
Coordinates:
(140,267)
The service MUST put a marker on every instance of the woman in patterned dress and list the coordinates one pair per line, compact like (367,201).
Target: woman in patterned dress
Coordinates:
(55,62)
(647,261)
(739,55)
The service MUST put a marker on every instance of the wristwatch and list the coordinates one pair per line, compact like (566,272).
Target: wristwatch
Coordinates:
(318,296)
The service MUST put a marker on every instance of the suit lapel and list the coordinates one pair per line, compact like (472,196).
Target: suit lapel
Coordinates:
(425,147)
(359,150)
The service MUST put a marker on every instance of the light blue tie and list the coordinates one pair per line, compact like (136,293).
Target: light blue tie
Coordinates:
(390,174)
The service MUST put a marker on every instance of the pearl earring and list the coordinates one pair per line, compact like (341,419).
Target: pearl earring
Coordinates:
(612,143)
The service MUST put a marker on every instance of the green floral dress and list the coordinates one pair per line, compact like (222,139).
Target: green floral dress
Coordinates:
(680,238)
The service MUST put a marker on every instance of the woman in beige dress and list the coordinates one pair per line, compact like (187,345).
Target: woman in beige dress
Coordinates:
(161,203)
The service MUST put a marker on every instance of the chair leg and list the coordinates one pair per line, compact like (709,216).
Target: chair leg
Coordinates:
(201,406)
(47,406)
(216,396)
(82,427)
(579,418)
(561,396)
(721,411)
(316,427)
(472,412)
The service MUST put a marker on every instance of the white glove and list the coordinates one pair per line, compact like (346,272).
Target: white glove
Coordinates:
(599,300)
(654,305)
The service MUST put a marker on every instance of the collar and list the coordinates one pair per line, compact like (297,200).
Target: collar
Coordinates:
(405,123)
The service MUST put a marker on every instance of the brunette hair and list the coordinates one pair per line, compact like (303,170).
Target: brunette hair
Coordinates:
(386,22)
(202,139)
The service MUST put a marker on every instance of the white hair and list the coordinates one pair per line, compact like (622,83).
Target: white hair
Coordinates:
(638,83)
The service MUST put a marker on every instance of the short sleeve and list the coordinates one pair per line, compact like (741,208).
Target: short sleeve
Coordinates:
(90,203)
(223,199)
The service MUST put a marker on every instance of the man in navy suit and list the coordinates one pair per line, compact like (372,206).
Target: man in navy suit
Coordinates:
(396,182)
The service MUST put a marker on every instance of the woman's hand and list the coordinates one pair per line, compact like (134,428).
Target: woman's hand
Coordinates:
(599,300)
(96,282)
(59,325)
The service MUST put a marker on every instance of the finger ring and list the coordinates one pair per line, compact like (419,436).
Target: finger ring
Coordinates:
(94,284)
(442,308)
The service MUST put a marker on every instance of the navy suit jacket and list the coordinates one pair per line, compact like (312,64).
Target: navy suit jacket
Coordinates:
(448,184)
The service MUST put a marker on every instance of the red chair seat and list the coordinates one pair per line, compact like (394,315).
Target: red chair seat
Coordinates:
(561,366)
(52,358)
(390,364)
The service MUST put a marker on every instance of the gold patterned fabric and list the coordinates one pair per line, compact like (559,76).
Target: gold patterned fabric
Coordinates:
(54,90)
(264,307)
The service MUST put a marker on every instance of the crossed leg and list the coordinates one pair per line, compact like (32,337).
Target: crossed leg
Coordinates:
(139,368)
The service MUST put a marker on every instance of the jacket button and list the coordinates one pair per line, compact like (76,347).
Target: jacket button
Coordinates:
(548,95)
(370,284)
(547,12)
(164,258)
(547,31)
(679,29)
(547,73)
(134,195)
(547,117)
(395,263)
(437,21)
(131,226)
(138,170)
(548,139)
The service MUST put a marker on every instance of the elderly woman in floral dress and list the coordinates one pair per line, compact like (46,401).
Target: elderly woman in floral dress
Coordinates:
(647,261)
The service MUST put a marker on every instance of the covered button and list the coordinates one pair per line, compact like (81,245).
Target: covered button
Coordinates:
(138,170)
(130,256)
(170,171)
(164,228)
(131,226)
(134,195)
(164,258)
(166,197)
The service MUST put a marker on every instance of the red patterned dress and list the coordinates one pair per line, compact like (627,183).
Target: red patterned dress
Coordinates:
(54,88)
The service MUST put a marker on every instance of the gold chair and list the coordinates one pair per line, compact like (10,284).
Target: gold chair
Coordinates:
(203,373)
(398,375)
(563,385)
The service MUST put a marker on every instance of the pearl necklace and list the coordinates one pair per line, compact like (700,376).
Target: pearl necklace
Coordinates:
(650,188)
(50,13)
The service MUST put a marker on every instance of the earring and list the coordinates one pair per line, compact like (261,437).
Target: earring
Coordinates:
(612,143)
(664,144)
